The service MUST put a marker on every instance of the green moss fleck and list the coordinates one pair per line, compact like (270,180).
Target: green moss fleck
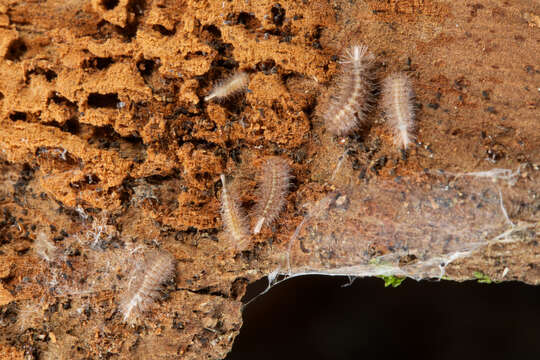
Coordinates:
(482,278)
(393,281)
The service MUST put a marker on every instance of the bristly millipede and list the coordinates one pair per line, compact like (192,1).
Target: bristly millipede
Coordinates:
(398,105)
(273,187)
(354,92)
(231,86)
(233,217)
(145,282)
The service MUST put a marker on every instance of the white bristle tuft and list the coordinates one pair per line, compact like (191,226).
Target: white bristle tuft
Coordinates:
(398,103)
